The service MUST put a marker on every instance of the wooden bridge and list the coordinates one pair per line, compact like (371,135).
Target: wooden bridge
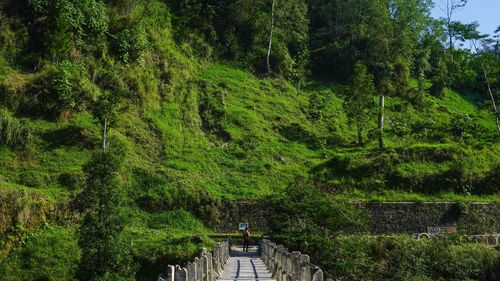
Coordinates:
(265,262)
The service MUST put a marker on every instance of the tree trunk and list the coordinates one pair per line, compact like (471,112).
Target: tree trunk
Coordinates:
(451,39)
(491,96)
(360,136)
(270,40)
(104,134)
(450,35)
(449,16)
(381,122)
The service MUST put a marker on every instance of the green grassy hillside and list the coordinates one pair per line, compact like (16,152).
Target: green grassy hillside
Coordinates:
(229,134)
(232,135)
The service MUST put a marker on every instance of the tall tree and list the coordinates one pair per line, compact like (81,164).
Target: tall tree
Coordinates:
(275,35)
(380,56)
(104,255)
(109,104)
(450,8)
(359,103)
(470,32)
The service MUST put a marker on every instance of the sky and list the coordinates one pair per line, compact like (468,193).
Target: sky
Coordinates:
(486,12)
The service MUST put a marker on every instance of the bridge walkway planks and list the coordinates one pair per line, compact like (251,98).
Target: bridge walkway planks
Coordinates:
(245,266)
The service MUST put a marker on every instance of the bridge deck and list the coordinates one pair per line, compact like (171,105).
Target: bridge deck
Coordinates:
(245,267)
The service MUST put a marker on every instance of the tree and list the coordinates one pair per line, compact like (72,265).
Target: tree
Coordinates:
(359,104)
(274,35)
(380,56)
(431,45)
(56,26)
(105,112)
(469,32)
(104,255)
(473,35)
(268,64)
(464,32)
(450,8)
(384,88)
(497,42)
(108,104)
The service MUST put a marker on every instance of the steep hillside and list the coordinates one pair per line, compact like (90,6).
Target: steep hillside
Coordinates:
(232,135)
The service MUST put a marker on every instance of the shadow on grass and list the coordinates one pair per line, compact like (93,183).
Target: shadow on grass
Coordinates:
(71,136)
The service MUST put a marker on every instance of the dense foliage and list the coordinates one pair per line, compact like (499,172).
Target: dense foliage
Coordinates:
(307,220)
(51,254)
(403,258)
(365,257)
(12,131)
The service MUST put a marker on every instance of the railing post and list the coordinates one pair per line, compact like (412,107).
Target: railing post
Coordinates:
(295,265)
(318,275)
(169,274)
(180,274)
(210,267)
(191,270)
(305,268)
(199,269)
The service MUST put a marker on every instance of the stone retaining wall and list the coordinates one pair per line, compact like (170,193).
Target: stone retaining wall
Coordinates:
(232,213)
(416,217)
(391,217)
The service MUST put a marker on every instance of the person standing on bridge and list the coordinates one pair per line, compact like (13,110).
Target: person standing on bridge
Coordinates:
(246,239)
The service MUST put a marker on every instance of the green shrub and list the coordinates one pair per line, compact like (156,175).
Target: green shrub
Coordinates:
(212,111)
(61,89)
(34,178)
(360,257)
(437,88)
(65,23)
(490,182)
(465,127)
(72,180)
(13,132)
(129,40)
(404,258)
(162,197)
(50,254)
(302,208)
